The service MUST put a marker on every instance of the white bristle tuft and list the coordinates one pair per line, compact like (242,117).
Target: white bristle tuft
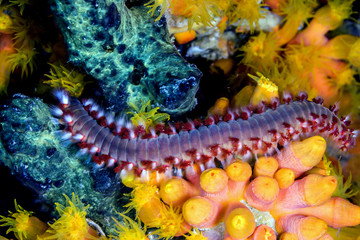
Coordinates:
(132,134)
(68,118)
(110,162)
(88,102)
(94,107)
(66,135)
(144,176)
(84,151)
(62,96)
(78,137)
(109,118)
(56,112)
(100,114)
(119,123)
(94,149)
(129,166)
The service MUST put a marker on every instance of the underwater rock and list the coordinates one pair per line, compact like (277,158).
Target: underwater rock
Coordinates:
(31,146)
(129,54)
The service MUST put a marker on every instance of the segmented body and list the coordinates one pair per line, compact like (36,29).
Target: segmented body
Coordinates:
(243,133)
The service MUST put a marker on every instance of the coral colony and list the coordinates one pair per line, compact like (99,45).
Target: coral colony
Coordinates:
(115,155)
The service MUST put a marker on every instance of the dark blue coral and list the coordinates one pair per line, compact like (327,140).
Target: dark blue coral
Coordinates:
(129,54)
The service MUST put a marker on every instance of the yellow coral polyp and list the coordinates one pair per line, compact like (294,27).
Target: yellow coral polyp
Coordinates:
(265,89)
(146,116)
(154,4)
(195,234)
(23,224)
(250,11)
(295,12)
(129,229)
(17,222)
(70,80)
(5,22)
(354,54)
(170,224)
(72,222)
(24,59)
(261,51)
(140,195)
(333,14)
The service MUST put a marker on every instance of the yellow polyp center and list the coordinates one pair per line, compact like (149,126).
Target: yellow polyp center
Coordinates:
(310,150)
(265,188)
(285,177)
(265,166)
(240,223)
(5,22)
(268,234)
(239,171)
(213,180)
(312,228)
(174,191)
(22,222)
(319,189)
(197,210)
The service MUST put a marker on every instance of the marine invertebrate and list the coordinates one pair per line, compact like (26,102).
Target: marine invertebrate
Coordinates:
(154,213)
(23,224)
(146,116)
(295,12)
(72,222)
(129,230)
(302,210)
(185,37)
(327,18)
(205,12)
(264,91)
(50,166)
(241,133)
(70,80)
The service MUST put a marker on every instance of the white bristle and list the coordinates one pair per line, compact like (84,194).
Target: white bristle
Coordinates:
(94,107)
(130,166)
(62,96)
(152,132)
(119,124)
(66,135)
(132,134)
(109,118)
(110,162)
(100,114)
(68,118)
(83,151)
(55,111)
(100,165)
(94,149)
(129,125)
(153,165)
(78,137)
(144,176)
(123,173)
(88,102)
(355,133)
(173,129)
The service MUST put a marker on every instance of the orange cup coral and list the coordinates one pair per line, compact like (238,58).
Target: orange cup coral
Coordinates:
(301,205)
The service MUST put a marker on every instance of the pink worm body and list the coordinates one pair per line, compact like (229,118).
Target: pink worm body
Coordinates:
(240,134)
